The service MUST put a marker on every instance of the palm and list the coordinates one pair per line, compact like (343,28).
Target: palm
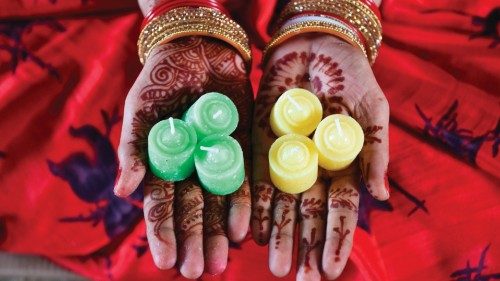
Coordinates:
(342,79)
(174,76)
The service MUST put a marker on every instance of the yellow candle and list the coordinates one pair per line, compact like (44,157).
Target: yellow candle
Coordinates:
(339,139)
(293,163)
(297,111)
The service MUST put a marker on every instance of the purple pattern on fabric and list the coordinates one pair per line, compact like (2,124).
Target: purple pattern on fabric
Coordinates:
(12,33)
(475,273)
(92,179)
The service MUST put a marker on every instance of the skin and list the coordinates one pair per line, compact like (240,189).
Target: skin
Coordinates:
(327,214)
(185,226)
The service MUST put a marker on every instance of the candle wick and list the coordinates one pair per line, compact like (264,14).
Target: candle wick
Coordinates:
(217,114)
(339,130)
(172,127)
(294,102)
(209,149)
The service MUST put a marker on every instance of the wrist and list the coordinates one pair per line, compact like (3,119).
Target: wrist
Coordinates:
(354,21)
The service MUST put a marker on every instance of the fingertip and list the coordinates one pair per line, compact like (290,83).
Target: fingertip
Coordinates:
(239,219)
(192,263)
(164,261)
(279,269)
(128,182)
(333,267)
(216,259)
(308,274)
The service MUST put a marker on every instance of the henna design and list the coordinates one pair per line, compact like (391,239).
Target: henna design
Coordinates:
(214,215)
(136,165)
(242,195)
(340,198)
(162,195)
(189,210)
(308,246)
(342,235)
(287,200)
(259,216)
(279,79)
(186,68)
(365,171)
(264,192)
(369,132)
(312,208)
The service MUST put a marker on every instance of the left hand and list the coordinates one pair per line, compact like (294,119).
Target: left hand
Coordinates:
(340,75)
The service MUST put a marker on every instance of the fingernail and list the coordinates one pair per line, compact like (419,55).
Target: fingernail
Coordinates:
(386,182)
(117,178)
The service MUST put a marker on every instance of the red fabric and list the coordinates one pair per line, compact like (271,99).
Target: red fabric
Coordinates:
(63,81)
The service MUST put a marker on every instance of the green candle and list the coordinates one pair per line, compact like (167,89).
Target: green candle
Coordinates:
(171,144)
(212,113)
(219,164)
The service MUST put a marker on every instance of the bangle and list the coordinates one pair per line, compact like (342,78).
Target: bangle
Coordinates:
(315,23)
(355,12)
(173,4)
(189,21)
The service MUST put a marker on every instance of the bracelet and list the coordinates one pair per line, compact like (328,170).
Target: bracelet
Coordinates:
(315,23)
(356,12)
(173,4)
(188,21)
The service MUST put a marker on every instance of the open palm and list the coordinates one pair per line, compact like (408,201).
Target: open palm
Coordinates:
(341,77)
(185,224)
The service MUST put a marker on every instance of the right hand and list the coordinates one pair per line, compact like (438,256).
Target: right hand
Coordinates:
(180,216)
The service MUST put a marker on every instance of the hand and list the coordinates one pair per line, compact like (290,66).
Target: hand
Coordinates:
(341,77)
(181,216)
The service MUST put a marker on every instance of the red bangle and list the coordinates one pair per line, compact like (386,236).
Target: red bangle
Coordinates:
(373,6)
(172,4)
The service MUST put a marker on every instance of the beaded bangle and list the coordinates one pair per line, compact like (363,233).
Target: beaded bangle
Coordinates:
(189,21)
(355,12)
(315,23)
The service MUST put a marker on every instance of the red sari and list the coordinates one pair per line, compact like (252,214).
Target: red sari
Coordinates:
(66,67)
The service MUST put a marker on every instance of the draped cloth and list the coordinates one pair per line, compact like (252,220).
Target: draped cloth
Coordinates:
(66,67)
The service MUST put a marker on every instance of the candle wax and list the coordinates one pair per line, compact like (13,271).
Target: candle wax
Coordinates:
(219,164)
(293,163)
(296,111)
(171,144)
(212,113)
(339,139)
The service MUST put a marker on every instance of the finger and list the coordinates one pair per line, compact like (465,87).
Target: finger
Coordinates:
(239,212)
(281,242)
(158,214)
(214,228)
(286,69)
(262,190)
(374,156)
(130,154)
(188,224)
(343,202)
(312,231)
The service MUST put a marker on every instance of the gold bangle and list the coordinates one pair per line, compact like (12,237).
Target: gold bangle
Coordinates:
(355,12)
(313,26)
(187,21)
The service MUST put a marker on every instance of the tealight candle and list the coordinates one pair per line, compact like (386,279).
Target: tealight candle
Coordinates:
(212,113)
(293,163)
(219,164)
(171,144)
(297,111)
(339,139)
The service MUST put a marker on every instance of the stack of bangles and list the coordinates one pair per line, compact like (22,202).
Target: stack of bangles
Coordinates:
(180,18)
(355,21)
